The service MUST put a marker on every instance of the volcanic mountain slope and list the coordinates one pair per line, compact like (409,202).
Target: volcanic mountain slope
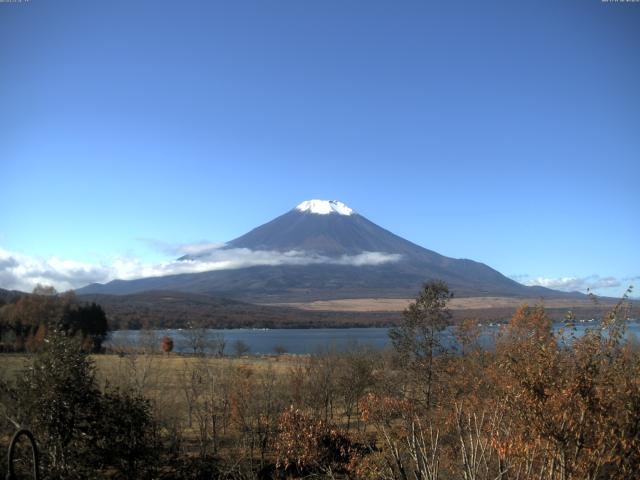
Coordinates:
(325,250)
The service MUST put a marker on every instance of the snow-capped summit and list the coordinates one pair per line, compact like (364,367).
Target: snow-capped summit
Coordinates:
(324,207)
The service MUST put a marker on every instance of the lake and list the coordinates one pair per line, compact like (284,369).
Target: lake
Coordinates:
(307,341)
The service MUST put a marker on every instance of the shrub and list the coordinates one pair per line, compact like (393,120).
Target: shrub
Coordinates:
(126,441)
(305,445)
(79,429)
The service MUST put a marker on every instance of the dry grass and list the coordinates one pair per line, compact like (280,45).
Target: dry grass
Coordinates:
(165,380)
(154,374)
(11,364)
(160,378)
(399,304)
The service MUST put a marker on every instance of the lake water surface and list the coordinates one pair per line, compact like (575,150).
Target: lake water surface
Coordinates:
(311,340)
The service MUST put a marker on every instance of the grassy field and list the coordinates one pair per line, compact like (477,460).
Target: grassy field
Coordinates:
(167,367)
(11,364)
(470,303)
(169,381)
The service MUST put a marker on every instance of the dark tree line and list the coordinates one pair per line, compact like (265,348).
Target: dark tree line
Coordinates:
(25,321)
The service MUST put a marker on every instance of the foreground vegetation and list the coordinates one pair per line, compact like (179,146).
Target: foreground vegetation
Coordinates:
(535,408)
(27,318)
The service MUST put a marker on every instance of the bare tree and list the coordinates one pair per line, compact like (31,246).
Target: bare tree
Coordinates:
(196,338)
(216,343)
(280,349)
(354,377)
(321,384)
(240,348)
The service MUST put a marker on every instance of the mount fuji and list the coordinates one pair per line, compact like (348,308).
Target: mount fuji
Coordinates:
(323,249)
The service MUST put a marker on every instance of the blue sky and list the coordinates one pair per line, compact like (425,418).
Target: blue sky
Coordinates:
(506,132)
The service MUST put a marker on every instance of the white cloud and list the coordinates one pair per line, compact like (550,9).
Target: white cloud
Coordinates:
(569,283)
(180,249)
(23,272)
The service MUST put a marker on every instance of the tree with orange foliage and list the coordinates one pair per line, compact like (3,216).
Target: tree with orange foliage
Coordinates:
(166,344)
(467,334)
(307,446)
(573,408)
